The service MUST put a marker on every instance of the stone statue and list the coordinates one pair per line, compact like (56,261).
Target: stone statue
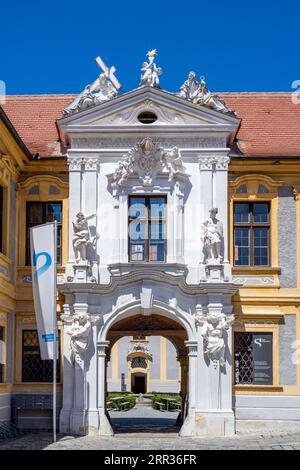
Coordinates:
(189,90)
(104,88)
(81,237)
(124,169)
(151,71)
(95,93)
(80,332)
(212,237)
(171,159)
(198,93)
(213,327)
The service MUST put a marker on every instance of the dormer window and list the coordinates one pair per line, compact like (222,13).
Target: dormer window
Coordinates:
(147,224)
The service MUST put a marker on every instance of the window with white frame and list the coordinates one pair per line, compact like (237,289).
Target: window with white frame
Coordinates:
(147,226)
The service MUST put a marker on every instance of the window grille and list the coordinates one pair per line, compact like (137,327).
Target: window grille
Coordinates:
(139,362)
(34,369)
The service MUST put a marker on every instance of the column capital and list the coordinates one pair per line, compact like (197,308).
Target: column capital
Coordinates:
(192,347)
(214,163)
(74,163)
(101,346)
(91,163)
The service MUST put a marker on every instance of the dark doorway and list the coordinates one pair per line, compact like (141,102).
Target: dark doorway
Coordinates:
(139,384)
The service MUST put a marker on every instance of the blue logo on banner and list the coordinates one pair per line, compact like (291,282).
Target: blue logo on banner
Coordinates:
(48,337)
(44,267)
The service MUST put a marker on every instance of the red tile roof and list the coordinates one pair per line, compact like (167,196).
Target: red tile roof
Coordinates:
(270,122)
(34,117)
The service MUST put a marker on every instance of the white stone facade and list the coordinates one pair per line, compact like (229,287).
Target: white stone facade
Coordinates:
(108,288)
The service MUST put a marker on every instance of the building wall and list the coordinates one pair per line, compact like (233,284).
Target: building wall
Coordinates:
(162,372)
(269,300)
(287,237)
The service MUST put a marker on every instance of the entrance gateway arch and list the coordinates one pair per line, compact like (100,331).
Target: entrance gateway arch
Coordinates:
(148,242)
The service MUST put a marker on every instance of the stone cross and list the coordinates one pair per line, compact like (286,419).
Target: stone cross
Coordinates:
(109,72)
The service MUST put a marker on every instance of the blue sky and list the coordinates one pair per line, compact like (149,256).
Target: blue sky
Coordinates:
(50,47)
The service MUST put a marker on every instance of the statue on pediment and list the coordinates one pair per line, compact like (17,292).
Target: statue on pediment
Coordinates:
(104,88)
(198,93)
(151,71)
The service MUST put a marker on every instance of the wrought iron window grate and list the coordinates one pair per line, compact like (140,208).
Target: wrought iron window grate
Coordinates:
(34,369)
(139,362)
(243,358)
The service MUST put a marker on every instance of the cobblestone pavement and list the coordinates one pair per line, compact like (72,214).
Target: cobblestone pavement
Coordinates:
(150,442)
(161,434)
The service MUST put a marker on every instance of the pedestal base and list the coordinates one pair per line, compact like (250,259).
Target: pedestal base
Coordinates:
(78,422)
(64,421)
(81,272)
(105,428)
(209,424)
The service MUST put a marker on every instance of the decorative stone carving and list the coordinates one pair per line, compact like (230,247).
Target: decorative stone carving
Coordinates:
(147,159)
(151,71)
(212,237)
(213,328)
(80,332)
(91,164)
(140,348)
(214,163)
(255,280)
(104,88)
(198,93)
(123,142)
(82,238)
(172,161)
(75,164)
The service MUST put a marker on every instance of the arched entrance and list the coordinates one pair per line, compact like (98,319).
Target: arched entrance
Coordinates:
(156,325)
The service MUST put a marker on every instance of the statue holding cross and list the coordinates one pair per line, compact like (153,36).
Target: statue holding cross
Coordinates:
(104,88)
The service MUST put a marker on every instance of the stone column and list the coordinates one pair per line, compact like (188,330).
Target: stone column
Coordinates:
(75,203)
(92,419)
(206,185)
(68,369)
(183,361)
(178,223)
(188,427)
(90,202)
(214,415)
(105,428)
(78,413)
(221,198)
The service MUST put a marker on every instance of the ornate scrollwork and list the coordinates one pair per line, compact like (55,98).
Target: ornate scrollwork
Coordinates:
(146,159)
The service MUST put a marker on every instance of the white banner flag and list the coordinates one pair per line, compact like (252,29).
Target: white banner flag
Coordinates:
(43,261)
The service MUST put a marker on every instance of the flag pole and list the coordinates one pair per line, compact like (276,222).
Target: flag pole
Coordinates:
(54,333)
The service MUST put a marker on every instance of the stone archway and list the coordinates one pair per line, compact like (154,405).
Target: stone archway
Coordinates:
(152,325)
